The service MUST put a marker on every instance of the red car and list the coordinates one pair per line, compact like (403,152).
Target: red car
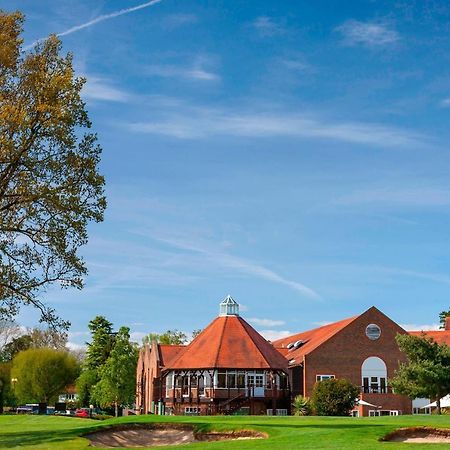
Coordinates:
(82,412)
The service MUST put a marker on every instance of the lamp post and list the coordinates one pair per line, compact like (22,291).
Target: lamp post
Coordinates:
(14,382)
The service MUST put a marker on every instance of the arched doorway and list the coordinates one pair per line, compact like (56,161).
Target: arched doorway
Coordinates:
(374,375)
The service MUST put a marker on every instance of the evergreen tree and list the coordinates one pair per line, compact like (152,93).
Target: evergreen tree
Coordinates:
(97,353)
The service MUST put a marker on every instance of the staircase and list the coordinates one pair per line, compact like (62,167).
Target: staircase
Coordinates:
(232,404)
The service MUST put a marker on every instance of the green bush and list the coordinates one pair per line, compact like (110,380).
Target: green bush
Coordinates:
(301,406)
(334,397)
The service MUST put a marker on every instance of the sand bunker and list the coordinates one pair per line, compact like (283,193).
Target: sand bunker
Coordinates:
(420,435)
(156,435)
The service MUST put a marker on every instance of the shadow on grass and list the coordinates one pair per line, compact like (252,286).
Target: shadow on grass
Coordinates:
(23,438)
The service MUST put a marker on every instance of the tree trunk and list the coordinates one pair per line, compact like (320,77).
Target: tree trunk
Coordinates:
(116,408)
(438,405)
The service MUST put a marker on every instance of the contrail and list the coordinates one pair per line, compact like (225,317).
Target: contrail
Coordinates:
(97,20)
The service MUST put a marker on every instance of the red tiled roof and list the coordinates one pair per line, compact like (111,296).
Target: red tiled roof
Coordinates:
(312,338)
(229,342)
(440,336)
(168,353)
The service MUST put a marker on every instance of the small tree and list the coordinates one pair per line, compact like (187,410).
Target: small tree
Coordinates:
(42,374)
(334,397)
(301,406)
(427,372)
(117,385)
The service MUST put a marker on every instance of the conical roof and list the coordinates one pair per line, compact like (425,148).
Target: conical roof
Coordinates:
(229,342)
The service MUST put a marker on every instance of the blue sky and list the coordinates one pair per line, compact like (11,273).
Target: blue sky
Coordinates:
(293,154)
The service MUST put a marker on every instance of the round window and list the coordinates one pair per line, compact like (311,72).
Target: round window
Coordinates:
(373,332)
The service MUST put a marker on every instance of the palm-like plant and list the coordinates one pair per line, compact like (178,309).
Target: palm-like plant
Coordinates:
(301,406)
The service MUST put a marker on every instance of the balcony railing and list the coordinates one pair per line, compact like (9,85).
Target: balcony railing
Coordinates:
(376,389)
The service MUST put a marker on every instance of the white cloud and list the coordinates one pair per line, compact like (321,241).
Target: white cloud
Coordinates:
(199,123)
(371,34)
(75,346)
(414,196)
(273,335)
(266,26)
(415,327)
(266,322)
(322,323)
(446,102)
(98,19)
(137,336)
(97,88)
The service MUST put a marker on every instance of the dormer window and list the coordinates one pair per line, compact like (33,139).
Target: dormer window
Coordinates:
(228,307)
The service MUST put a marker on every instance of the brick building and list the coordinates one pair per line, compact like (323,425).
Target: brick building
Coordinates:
(361,349)
(228,368)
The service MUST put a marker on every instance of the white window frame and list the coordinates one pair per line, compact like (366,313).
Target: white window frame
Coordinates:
(321,377)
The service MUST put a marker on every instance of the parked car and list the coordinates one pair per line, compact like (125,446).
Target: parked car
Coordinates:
(82,412)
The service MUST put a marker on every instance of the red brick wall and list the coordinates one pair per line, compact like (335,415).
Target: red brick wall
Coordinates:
(344,354)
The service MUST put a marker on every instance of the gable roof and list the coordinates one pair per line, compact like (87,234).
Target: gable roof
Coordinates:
(311,339)
(168,352)
(440,336)
(228,342)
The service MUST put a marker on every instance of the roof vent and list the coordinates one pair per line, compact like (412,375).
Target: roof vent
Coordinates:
(298,343)
(228,307)
(290,345)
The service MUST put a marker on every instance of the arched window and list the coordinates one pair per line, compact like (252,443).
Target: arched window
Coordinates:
(374,375)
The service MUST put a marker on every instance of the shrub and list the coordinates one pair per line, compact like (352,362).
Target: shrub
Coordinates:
(334,397)
(301,406)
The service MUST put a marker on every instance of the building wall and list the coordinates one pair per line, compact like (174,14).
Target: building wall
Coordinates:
(344,354)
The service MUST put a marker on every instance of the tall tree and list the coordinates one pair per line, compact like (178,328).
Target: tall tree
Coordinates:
(97,353)
(50,188)
(43,373)
(427,372)
(117,385)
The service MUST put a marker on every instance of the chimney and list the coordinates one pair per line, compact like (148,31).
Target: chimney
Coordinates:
(447,323)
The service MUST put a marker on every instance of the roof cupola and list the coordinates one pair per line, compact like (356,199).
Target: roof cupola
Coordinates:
(228,307)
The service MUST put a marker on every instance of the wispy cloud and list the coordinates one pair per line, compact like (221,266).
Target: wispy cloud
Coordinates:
(371,34)
(266,322)
(199,123)
(446,102)
(242,265)
(414,197)
(189,73)
(273,335)
(266,26)
(178,20)
(97,88)
(98,19)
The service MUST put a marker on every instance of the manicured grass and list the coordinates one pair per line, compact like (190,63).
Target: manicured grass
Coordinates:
(47,432)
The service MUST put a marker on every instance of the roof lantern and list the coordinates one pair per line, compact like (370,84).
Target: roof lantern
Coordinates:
(228,307)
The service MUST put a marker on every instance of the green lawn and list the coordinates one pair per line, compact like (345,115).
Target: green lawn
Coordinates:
(47,432)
